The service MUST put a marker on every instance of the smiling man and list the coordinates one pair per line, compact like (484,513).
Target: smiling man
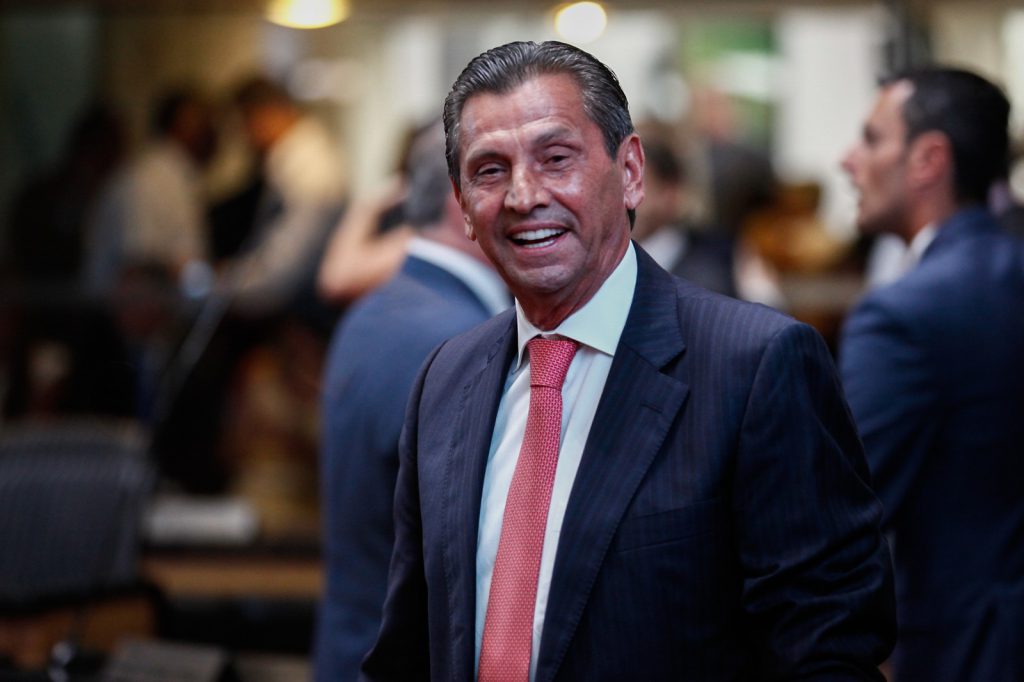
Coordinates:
(543,196)
(626,477)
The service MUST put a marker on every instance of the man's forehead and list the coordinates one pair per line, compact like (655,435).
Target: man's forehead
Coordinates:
(887,113)
(893,96)
(547,104)
(527,100)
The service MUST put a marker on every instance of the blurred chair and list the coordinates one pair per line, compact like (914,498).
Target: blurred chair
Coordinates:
(72,495)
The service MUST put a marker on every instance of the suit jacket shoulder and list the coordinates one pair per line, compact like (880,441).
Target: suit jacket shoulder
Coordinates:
(971,256)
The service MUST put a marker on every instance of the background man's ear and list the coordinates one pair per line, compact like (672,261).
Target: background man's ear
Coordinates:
(930,159)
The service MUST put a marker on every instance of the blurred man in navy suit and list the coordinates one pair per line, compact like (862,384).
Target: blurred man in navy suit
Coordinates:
(444,287)
(933,370)
(708,516)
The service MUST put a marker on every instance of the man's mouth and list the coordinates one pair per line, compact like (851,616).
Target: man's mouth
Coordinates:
(535,239)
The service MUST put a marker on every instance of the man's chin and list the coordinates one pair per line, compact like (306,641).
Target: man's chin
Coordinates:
(870,227)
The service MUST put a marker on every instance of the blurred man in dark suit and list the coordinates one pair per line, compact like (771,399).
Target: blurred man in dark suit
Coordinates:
(702,256)
(933,369)
(152,212)
(444,287)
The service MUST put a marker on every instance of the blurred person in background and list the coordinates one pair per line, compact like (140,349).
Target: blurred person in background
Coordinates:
(146,247)
(369,244)
(1005,204)
(303,192)
(47,226)
(152,214)
(741,177)
(445,286)
(61,352)
(360,256)
(740,186)
(933,371)
(701,256)
(263,310)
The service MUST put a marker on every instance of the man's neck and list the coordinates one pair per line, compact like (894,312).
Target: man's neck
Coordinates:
(933,213)
(546,317)
(455,239)
(600,321)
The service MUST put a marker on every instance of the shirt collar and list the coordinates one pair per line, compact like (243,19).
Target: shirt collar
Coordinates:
(918,245)
(482,280)
(599,323)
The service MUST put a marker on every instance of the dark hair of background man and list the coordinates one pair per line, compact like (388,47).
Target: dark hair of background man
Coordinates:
(971,112)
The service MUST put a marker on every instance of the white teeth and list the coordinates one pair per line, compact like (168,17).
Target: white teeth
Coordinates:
(534,235)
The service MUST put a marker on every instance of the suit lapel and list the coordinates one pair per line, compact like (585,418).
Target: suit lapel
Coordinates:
(638,407)
(464,475)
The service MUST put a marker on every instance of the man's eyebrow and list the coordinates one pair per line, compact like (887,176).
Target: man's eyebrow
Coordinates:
(478,155)
(558,134)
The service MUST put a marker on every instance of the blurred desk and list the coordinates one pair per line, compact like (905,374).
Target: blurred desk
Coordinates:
(827,292)
(258,573)
(214,548)
(822,300)
(260,598)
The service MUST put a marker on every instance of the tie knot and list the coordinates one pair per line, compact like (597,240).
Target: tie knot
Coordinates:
(550,360)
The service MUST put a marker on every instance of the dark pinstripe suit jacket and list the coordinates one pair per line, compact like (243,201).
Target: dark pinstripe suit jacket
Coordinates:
(720,526)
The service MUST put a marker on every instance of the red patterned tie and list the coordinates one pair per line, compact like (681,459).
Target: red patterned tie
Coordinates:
(508,625)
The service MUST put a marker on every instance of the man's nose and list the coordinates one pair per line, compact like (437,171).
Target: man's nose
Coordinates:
(526,191)
(848,160)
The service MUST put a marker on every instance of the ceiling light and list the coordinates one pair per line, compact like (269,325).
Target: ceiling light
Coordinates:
(581,22)
(307,13)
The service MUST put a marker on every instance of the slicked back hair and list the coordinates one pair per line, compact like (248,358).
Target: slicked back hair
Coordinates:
(971,112)
(502,69)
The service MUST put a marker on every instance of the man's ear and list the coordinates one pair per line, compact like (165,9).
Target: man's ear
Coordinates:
(631,159)
(930,159)
(470,233)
